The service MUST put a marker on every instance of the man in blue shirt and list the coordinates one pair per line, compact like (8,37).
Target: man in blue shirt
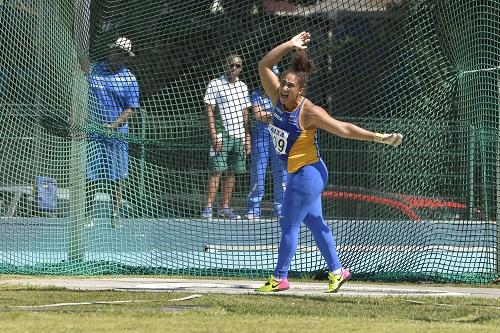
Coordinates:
(262,150)
(114,95)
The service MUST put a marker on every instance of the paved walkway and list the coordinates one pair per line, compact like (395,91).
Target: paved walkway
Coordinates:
(248,286)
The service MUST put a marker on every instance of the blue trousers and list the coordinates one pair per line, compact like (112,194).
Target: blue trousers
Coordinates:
(107,159)
(262,150)
(302,203)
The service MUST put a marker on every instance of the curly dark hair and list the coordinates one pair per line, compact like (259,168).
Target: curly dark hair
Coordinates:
(302,66)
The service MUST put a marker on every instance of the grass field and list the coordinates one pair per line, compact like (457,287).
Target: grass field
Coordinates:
(25,309)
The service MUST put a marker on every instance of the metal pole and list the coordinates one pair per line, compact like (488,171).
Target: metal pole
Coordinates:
(484,171)
(471,169)
(81,19)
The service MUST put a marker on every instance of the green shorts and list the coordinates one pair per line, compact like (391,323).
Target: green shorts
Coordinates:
(232,156)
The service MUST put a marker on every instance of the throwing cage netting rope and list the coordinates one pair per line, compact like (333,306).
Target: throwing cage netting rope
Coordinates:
(426,210)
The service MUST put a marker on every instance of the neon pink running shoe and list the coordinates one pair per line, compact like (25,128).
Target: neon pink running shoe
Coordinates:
(273,285)
(337,280)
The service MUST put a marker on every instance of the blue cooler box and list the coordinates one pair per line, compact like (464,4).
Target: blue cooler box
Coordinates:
(46,193)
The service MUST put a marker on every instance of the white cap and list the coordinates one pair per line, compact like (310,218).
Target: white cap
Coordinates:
(124,44)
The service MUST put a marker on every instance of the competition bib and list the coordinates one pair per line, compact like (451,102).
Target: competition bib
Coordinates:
(280,138)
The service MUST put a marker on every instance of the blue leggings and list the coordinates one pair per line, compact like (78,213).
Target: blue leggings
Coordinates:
(302,202)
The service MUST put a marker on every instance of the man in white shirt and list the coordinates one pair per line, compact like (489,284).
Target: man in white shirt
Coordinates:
(231,143)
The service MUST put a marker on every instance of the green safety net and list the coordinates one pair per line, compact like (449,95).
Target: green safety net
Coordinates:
(426,210)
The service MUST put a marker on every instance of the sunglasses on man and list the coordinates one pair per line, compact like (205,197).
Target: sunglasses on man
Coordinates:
(234,66)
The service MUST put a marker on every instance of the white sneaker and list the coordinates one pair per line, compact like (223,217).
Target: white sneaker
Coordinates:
(206,214)
(252,217)
(228,213)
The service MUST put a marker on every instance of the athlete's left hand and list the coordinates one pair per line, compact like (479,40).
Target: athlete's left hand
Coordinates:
(301,40)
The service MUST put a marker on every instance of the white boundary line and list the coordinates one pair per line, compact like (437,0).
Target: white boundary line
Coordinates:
(53,305)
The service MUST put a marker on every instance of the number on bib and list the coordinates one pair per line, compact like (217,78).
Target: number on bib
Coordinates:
(280,139)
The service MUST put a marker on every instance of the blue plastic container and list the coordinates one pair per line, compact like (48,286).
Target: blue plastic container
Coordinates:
(46,193)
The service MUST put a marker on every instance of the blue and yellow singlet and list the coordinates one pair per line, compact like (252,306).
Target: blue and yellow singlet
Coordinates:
(295,146)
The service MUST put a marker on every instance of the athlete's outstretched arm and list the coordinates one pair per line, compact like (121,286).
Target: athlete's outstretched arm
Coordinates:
(268,79)
(316,117)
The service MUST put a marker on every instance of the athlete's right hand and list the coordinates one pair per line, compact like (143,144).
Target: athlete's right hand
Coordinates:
(393,139)
(300,41)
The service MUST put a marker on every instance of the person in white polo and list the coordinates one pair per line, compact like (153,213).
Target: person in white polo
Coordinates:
(231,141)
